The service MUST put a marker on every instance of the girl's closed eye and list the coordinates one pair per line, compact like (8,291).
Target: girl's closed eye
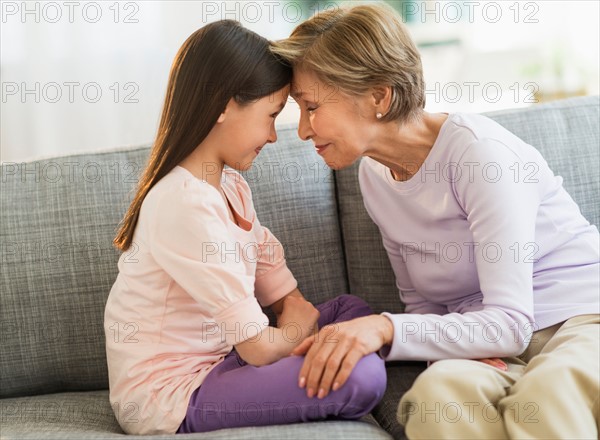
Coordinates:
(279,110)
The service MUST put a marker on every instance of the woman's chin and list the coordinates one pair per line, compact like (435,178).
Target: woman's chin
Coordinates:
(339,165)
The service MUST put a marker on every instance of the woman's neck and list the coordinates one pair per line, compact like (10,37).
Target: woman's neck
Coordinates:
(403,149)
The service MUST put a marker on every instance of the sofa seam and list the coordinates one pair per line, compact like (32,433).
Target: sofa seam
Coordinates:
(341,229)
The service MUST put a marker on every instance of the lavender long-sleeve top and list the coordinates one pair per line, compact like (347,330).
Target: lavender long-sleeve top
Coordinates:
(486,245)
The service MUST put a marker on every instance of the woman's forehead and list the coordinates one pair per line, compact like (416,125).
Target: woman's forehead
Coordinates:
(304,84)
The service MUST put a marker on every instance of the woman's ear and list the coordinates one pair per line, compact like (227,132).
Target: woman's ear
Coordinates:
(382,98)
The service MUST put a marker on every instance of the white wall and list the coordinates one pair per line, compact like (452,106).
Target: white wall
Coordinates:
(124,50)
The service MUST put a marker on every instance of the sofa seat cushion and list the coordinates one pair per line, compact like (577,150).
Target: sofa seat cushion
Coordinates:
(88,415)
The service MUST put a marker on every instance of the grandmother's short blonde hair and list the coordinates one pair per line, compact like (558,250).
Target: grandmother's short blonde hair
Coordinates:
(359,47)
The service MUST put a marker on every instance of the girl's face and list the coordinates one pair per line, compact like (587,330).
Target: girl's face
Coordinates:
(338,124)
(245,129)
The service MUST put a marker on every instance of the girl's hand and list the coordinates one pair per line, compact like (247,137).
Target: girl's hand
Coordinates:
(494,362)
(298,312)
(336,349)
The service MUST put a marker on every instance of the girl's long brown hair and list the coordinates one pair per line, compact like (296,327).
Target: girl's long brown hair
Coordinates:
(220,61)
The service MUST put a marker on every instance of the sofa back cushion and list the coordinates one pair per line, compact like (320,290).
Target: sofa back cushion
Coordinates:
(294,196)
(58,220)
(565,132)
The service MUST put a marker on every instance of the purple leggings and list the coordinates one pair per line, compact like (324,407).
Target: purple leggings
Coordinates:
(236,394)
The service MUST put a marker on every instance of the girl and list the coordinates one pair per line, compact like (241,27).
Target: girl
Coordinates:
(436,182)
(191,307)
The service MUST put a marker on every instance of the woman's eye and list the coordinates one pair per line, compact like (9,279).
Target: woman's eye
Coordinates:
(310,109)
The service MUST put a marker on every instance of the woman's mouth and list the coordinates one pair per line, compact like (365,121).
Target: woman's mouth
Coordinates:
(258,150)
(321,148)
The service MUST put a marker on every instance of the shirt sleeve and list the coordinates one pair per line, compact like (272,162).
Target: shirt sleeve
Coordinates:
(190,241)
(501,211)
(273,278)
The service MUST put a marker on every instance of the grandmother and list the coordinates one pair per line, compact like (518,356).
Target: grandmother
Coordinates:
(522,295)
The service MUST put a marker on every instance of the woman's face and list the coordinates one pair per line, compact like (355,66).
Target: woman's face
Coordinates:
(339,125)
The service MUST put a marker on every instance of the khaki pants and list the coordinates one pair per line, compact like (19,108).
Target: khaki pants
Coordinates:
(551,391)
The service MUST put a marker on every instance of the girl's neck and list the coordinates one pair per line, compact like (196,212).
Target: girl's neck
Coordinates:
(204,168)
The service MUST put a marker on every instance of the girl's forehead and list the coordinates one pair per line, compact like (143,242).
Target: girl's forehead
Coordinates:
(278,97)
(282,93)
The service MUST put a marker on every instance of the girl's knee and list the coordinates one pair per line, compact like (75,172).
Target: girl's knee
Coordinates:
(368,380)
(342,308)
(355,303)
(350,299)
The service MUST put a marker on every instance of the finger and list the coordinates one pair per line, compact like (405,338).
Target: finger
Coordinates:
(303,347)
(309,354)
(319,355)
(494,362)
(500,364)
(346,368)
(332,367)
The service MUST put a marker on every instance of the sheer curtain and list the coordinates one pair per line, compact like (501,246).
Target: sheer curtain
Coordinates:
(75,80)
(81,76)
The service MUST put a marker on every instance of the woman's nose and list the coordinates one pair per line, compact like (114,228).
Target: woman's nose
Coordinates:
(305,131)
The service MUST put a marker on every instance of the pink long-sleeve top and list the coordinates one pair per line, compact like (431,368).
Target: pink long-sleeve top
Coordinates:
(486,245)
(189,288)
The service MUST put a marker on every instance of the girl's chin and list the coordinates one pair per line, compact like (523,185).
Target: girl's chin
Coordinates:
(242,166)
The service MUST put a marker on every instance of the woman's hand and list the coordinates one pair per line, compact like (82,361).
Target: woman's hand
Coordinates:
(297,312)
(332,353)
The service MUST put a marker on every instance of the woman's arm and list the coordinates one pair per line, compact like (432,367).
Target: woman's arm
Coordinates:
(501,213)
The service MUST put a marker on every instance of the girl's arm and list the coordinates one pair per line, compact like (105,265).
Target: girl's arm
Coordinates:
(189,235)
(275,343)
(285,306)
(277,306)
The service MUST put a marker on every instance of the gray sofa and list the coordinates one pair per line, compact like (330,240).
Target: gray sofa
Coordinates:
(59,216)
